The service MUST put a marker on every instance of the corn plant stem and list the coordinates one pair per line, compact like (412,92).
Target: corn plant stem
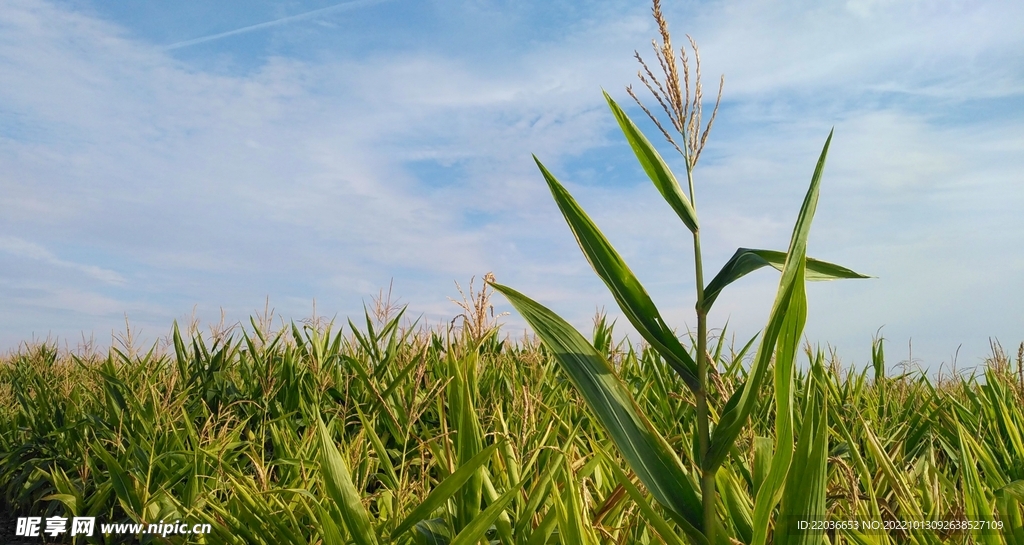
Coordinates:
(707,480)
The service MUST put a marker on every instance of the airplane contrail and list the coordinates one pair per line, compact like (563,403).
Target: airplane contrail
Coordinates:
(344,6)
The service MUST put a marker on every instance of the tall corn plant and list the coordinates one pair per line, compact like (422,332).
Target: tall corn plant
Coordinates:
(691,505)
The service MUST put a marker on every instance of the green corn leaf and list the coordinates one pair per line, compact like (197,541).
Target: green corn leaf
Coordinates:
(124,486)
(631,297)
(390,478)
(476,529)
(432,532)
(1010,515)
(737,503)
(329,531)
(570,510)
(989,467)
(645,450)
(508,454)
(468,433)
(542,533)
(537,495)
(657,522)
(504,523)
(746,261)
(804,495)
(762,462)
(67,493)
(655,167)
(70,502)
(878,359)
(896,476)
(341,490)
(1014,490)
(975,500)
(790,294)
(770,492)
(445,490)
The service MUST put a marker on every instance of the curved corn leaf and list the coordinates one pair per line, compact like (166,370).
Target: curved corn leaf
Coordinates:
(1008,501)
(634,301)
(746,261)
(445,490)
(655,167)
(432,532)
(732,420)
(1013,490)
(67,500)
(340,489)
(645,450)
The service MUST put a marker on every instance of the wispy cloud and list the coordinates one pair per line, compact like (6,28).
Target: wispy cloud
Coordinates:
(305,16)
(16,247)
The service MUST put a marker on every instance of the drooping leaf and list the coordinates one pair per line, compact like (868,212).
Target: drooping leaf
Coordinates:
(1008,501)
(645,450)
(1014,490)
(746,261)
(896,477)
(631,297)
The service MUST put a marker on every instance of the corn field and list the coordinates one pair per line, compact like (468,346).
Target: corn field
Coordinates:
(387,432)
(460,436)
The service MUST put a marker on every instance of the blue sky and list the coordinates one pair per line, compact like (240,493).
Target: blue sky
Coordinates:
(160,157)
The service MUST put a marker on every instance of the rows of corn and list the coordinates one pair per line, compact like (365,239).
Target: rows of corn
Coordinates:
(389,433)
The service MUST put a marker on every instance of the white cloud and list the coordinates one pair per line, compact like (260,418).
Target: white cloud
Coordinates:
(17,247)
(948,48)
(302,177)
